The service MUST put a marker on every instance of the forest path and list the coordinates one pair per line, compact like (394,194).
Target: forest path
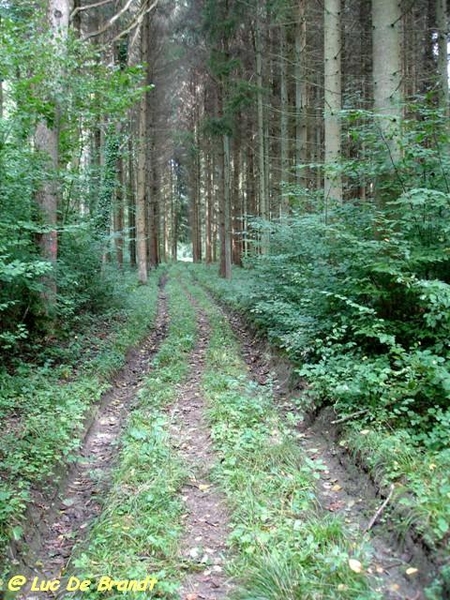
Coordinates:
(204,556)
(57,522)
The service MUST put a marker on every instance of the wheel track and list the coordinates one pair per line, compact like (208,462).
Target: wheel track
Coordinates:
(59,520)
(203,547)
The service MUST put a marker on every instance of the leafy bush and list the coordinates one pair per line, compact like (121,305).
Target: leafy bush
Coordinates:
(360,301)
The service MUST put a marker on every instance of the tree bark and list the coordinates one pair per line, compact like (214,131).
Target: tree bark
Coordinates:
(46,143)
(442,36)
(387,71)
(332,98)
(141,195)
(284,121)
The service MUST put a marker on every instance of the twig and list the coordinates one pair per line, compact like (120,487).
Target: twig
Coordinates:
(380,510)
(348,417)
(80,8)
(109,23)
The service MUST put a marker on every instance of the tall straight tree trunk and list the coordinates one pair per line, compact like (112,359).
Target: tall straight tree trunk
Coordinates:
(141,195)
(262,163)
(131,190)
(46,143)
(225,241)
(209,203)
(153,212)
(387,71)
(236,203)
(332,98)
(301,93)
(119,202)
(284,119)
(196,190)
(261,135)
(173,213)
(442,33)
(152,188)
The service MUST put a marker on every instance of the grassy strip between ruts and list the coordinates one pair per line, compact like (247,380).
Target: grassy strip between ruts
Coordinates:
(284,548)
(420,476)
(137,534)
(42,407)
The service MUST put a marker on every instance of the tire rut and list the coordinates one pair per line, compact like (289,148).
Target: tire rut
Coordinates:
(56,523)
(343,488)
(203,547)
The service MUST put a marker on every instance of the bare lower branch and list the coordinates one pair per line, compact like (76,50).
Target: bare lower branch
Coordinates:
(81,8)
(109,23)
(136,23)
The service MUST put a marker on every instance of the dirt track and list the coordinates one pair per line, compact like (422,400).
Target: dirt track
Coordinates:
(58,523)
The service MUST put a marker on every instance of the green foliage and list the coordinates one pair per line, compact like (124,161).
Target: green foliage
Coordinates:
(358,297)
(282,547)
(69,86)
(42,407)
(361,301)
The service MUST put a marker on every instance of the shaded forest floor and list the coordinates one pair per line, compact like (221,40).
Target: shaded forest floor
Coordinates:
(196,469)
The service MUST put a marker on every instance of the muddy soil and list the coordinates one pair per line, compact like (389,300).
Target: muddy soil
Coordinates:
(57,523)
(203,547)
(344,487)
(60,518)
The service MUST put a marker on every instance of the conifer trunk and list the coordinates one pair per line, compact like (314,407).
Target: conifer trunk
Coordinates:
(141,196)
(387,70)
(332,98)
(46,144)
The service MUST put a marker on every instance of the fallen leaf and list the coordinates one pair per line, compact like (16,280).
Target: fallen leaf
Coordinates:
(355,565)
(336,488)
(411,571)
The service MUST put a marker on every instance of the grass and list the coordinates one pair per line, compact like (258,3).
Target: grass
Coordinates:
(420,475)
(139,529)
(44,406)
(283,546)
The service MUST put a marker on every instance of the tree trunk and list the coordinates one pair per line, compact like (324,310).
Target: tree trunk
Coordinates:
(236,205)
(209,204)
(262,163)
(301,93)
(46,144)
(131,204)
(174,212)
(387,71)
(442,33)
(119,205)
(332,98)
(225,238)
(141,196)
(284,120)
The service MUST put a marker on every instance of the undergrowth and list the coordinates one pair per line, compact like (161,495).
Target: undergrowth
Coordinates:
(373,351)
(138,532)
(42,407)
(283,546)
